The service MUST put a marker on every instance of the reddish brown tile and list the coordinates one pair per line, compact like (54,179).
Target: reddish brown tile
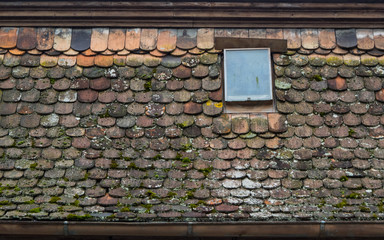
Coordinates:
(99,39)
(8,37)
(205,38)
(62,39)
(116,39)
(132,39)
(16,51)
(365,39)
(310,38)
(148,39)
(178,52)
(327,38)
(85,61)
(293,38)
(104,61)
(26,39)
(166,41)
(378,36)
(45,38)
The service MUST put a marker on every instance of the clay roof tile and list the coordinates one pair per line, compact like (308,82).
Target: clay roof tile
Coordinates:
(166,41)
(378,35)
(310,38)
(148,39)
(27,38)
(365,39)
(327,38)
(81,39)
(257,33)
(132,39)
(116,39)
(8,37)
(99,39)
(293,38)
(274,33)
(205,38)
(45,38)
(62,39)
(186,38)
(346,38)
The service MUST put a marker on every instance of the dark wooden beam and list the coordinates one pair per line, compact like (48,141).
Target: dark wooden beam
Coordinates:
(249,14)
(276,45)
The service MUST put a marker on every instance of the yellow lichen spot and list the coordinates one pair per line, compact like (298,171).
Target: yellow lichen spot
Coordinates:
(219,105)
(209,103)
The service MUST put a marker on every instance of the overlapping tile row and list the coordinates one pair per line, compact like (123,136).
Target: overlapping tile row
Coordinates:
(128,125)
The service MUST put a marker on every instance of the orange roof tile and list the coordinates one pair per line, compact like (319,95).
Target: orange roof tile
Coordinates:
(205,38)
(365,39)
(148,39)
(116,39)
(327,38)
(45,38)
(34,52)
(62,39)
(26,39)
(157,53)
(310,38)
(378,35)
(132,39)
(85,61)
(293,38)
(166,41)
(71,52)
(178,52)
(89,52)
(186,38)
(16,51)
(99,39)
(48,61)
(123,52)
(119,60)
(104,60)
(8,37)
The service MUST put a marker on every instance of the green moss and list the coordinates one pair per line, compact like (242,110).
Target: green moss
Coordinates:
(5,202)
(343,179)
(76,203)
(186,160)
(35,210)
(364,209)
(354,196)
(105,115)
(125,209)
(54,199)
(151,194)
(20,143)
(206,171)
(370,61)
(380,207)
(317,78)
(52,81)
(157,157)
(341,204)
(186,147)
(29,202)
(148,86)
(178,156)
(74,217)
(113,164)
(33,166)
(171,194)
(351,132)
(334,61)
(86,176)
(147,207)
(321,204)
(374,215)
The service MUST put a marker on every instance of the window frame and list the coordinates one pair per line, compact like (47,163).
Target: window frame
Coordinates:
(249,106)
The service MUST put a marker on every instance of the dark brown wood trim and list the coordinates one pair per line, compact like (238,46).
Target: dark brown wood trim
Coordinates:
(323,229)
(191,14)
(276,45)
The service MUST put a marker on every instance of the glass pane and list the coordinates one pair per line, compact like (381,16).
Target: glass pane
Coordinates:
(247,75)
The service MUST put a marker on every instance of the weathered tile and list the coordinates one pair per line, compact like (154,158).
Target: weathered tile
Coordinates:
(257,33)
(16,51)
(274,33)
(293,38)
(178,52)
(157,53)
(66,61)
(166,41)
(8,37)
(104,61)
(116,39)
(132,39)
(346,38)
(186,38)
(99,39)
(85,61)
(365,39)
(81,39)
(327,38)
(205,38)
(62,39)
(378,36)
(45,38)
(71,52)
(48,61)
(148,39)
(310,38)
(26,39)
